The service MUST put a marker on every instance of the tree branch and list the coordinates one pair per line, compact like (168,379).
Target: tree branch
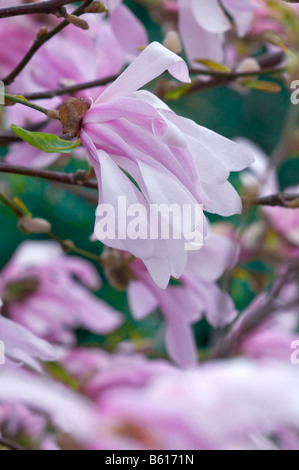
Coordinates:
(269,64)
(46,7)
(39,42)
(289,201)
(72,179)
(24,102)
(69,89)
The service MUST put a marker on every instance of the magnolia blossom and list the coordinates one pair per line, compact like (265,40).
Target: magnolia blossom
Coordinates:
(21,346)
(185,304)
(128,30)
(203,24)
(99,371)
(172,159)
(68,411)
(225,405)
(229,405)
(47,292)
(21,32)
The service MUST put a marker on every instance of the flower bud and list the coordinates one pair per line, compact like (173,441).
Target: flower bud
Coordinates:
(82,24)
(248,65)
(96,7)
(41,32)
(71,113)
(29,225)
(119,278)
(173,42)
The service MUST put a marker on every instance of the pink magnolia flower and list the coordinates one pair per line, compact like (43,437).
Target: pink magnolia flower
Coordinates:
(224,405)
(185,304)
(21,346)
(17,34)
(128,30)
(172,159)
(40,292)
(67,410)
(99,371)
(203,24)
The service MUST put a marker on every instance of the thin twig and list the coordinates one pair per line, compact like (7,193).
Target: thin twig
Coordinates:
(78,179)
(70,89)
(281,200)
(39,42)
(67,245)
(73,179)
(46,7)
(20,100)
(269,64)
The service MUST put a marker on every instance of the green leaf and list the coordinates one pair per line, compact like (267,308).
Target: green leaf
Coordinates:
(178,92)
(49,143)
(215,66)
(269,87)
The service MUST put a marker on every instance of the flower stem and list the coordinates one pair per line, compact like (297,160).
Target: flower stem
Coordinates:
(23,101)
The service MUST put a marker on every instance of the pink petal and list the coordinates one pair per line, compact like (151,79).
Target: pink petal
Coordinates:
(129,31)
(151,63)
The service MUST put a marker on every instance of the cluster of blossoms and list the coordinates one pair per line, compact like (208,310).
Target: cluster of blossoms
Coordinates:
(241,390)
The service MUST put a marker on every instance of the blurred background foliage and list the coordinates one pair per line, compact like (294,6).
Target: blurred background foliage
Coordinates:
(258,116)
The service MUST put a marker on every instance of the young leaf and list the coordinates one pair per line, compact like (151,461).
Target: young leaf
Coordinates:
(49,143)
(178,92)
(269,87)
(215,66)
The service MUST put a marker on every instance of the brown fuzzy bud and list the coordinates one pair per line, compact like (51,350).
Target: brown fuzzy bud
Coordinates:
(71,113)
(112,258)
(118,278)
(34,225)
(115,268)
